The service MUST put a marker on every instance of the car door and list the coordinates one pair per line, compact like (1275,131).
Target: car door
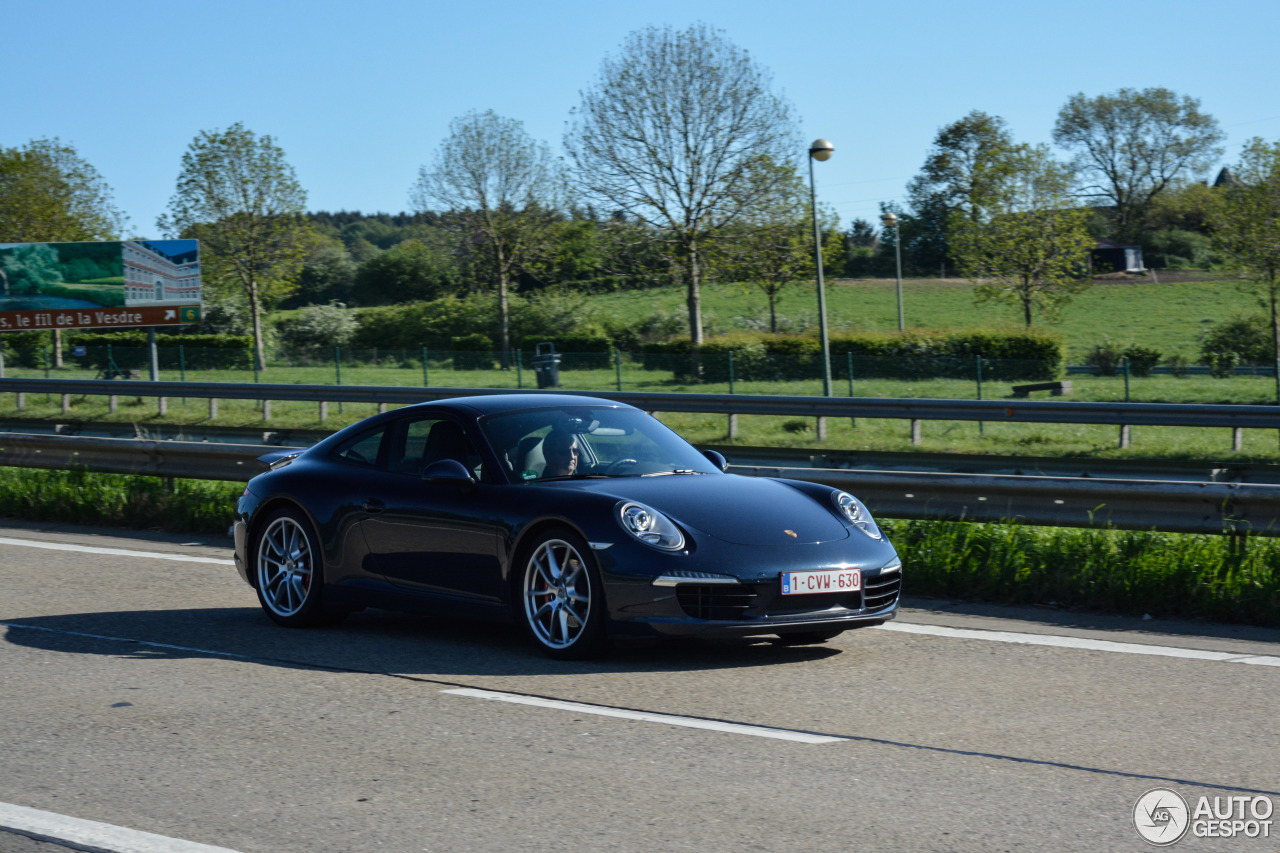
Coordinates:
(433,538)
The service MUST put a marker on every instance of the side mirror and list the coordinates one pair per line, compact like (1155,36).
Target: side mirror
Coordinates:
(448,471)
(717,459)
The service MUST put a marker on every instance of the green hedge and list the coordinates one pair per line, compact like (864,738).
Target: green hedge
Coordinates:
(949,355)
(472,352)
(129,350)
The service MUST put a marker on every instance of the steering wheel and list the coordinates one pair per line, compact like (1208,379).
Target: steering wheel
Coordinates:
(618,464)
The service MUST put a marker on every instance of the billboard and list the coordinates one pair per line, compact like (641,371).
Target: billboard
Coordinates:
(99,285)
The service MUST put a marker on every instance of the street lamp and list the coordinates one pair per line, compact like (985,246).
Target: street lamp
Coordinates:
(890,220)
(820,150)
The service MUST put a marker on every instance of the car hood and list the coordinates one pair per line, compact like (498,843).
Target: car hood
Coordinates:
(742,510)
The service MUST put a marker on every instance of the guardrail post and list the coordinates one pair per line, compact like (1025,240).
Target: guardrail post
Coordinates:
(213,408)
(337,366)
(163,405)
(113,403)
(22,401)
(266,410)
(324,411)
(915,431)
(1125,437)
(1237,440)
(382,408)
(66,403)
(822,428)
(1125,433)
(733,419)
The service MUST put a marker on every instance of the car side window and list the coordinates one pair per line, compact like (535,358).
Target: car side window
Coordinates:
(361,449)
(420,442)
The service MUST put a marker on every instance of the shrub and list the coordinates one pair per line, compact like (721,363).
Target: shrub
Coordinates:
(1243,340)
(577,352)
(318,326)
(1107,359)
(129,351)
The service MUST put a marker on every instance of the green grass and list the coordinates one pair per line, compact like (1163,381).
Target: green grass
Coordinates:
(1169,317)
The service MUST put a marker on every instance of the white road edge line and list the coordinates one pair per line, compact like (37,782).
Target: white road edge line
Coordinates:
(645,716)
(114,552)
(1062,642)
(90,834)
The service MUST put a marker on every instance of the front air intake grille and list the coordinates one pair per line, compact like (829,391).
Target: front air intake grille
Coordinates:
(880,591)
(724,602)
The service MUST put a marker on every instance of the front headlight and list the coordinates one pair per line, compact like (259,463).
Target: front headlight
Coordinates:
(857,515)
(650,526)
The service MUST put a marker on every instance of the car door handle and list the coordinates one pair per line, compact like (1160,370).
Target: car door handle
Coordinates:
(373,505)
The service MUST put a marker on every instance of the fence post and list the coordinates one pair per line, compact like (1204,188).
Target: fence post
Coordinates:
(978,363)
(182,368)
(617,366)
(520,367)
(426,377)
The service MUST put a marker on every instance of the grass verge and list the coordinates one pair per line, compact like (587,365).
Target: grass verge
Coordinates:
(1131,572)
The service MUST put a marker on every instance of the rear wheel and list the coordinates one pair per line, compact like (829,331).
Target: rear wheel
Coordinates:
(807,638)
(287,566)
(561,597)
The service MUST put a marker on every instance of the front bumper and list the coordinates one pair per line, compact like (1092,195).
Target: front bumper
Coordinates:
(739,592)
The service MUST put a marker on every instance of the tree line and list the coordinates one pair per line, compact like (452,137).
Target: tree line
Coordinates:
(681,167)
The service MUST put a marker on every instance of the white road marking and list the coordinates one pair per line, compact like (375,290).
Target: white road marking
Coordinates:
(114,552)
(646,716)
(92,835)
(1062,642)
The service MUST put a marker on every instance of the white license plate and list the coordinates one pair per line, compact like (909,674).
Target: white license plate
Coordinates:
(831,580)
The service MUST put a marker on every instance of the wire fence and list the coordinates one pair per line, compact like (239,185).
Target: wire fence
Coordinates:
(613,370)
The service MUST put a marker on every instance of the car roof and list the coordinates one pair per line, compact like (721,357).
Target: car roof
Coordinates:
(490,404)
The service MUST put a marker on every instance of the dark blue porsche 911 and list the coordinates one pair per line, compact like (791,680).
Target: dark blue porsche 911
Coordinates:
(579,517)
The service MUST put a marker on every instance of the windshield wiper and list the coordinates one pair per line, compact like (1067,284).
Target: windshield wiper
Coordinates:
(669,473)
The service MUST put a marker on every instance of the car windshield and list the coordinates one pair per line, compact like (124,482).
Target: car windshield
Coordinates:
(577,442)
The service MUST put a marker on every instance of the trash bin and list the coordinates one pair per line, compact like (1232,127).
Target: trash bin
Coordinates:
(546,365)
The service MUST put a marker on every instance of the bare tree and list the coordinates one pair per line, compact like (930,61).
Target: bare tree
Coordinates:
(501,186)
(668,133)
(1135,144)
(239,196)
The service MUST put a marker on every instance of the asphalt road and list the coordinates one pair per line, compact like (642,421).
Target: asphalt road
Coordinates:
(153,694)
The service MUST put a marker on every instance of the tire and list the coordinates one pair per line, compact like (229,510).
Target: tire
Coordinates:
(561,598)
(807,638)
(288,570)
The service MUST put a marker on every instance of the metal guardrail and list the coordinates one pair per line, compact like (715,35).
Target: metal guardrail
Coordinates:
(1023,411)
(1175,506)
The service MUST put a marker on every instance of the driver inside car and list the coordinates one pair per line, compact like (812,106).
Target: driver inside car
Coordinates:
(560,449)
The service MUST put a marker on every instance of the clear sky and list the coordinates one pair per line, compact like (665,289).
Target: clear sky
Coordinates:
(360,94)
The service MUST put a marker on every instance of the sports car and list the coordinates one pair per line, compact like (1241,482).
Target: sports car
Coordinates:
(581,518)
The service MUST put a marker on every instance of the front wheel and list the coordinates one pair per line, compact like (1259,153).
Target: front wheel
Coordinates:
(562,599)
(287,564)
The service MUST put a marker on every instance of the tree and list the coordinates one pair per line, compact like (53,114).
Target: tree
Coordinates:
(1247,225)
(49,194)
(773,245)
(409,272)
(238,195)
(502,186)
(1135,145)
(328,275)
(26,270)
(949,181)
(668,133)
(1024,241)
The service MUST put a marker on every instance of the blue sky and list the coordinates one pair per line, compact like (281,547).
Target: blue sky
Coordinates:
(360,94)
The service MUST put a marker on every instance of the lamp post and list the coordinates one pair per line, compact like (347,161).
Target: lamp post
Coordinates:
(820,150)
(890,220)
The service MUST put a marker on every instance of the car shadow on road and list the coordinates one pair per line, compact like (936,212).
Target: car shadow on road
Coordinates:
(374,641)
